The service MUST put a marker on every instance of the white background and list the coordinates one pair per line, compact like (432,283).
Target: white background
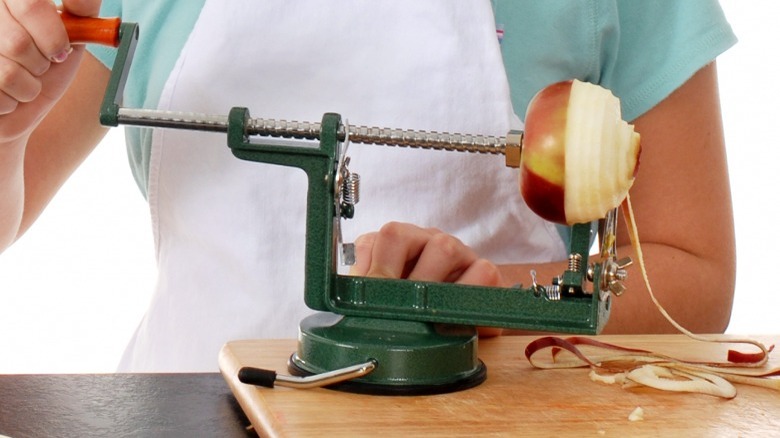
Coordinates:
(73,288)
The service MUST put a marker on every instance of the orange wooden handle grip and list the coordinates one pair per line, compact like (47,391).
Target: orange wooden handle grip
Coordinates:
(83,30)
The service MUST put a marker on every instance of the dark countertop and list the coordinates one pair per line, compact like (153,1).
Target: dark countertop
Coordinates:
(124,405)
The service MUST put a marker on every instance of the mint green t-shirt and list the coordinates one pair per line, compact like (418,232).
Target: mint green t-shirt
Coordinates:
(641,50)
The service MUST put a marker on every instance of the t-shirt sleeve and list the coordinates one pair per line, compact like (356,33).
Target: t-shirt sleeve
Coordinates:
(660,46)
(641,50)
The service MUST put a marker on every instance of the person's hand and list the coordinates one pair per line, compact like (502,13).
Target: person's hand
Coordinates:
(400,250)
(37,62)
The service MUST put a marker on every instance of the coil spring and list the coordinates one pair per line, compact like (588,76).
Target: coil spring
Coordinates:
(553,292)
(575,261)
(350,189)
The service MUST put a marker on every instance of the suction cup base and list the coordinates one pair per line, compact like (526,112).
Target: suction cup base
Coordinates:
(360,387)
(413,358)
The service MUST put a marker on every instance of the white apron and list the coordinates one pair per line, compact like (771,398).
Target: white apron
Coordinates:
(230,233)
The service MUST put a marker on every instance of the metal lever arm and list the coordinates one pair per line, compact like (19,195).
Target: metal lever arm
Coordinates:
(269,378)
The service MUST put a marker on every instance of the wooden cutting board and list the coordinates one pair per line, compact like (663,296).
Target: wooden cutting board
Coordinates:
(516,399)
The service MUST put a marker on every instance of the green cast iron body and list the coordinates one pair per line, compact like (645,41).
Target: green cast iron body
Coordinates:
(326,290)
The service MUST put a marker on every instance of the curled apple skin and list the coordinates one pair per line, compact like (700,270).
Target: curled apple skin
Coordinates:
(579,157)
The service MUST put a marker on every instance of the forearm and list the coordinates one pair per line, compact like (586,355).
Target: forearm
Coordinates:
(11,191)
(689,286)
(36,165)
(41,144)
(695,290)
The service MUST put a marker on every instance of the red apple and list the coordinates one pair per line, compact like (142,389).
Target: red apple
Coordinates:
(579,157)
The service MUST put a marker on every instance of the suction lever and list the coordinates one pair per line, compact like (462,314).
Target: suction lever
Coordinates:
(90,30)
(267,378)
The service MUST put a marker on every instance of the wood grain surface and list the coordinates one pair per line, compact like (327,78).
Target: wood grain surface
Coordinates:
(516,400)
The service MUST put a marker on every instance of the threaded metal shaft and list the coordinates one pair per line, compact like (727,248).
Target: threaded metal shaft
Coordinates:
(311,131)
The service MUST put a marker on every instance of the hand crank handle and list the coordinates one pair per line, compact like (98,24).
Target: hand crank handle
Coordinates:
(83,30)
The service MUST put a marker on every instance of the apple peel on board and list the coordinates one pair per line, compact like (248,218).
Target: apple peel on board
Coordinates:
(630,366)
(579,157)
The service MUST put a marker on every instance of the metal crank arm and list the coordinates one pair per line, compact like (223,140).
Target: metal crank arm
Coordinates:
(269,378)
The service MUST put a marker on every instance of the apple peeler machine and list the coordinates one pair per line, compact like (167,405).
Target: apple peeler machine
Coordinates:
(372,335)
